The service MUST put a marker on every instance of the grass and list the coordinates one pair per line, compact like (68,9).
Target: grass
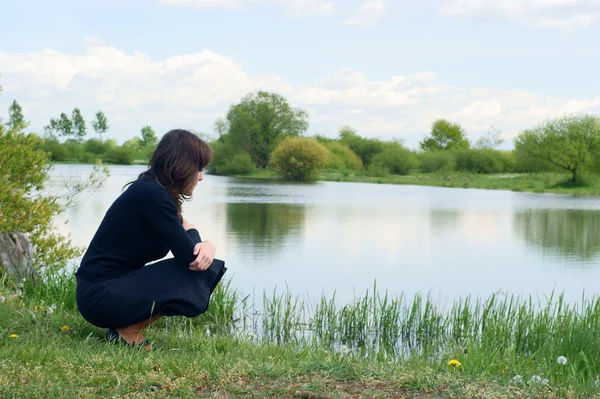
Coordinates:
(286,346)
(537,182)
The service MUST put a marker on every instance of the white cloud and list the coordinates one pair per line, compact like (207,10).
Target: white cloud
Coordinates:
(555,14)
(293,7)
(369,13)
(192,90)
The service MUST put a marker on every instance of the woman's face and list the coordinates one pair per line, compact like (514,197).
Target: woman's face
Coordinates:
(190,190)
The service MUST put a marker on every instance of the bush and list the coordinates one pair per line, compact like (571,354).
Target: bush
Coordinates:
(342,157)
(58,152)
(437,161)
(507,158)
(94,146)
(74,149)
(229,159)
(120,156)
(24,170)
(376,169)
(299,158)
(240,164)
(365,148)
(396,159)
(479,161)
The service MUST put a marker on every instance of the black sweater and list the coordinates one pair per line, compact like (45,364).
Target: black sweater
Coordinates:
(141,226)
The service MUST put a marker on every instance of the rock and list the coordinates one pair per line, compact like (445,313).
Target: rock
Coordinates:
(16,256)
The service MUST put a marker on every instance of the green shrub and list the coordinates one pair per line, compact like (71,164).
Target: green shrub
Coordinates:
(479,161)
(396,159)
(240,164)
(376,169)
(58,152)
(74,149)
(120,156)
(508,160)
(342,157)
(365,148)
(437,161)
(299,158)
(95,147)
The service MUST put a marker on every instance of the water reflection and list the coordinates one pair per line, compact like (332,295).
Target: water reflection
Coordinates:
(264,226)
(563,232)
(443,220)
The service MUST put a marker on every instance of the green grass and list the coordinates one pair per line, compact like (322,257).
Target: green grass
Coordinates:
(537,183)
(375,346)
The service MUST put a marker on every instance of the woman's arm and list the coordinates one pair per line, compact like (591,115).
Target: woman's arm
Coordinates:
(158,208)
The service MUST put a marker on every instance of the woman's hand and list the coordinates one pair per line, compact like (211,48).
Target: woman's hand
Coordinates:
(206,253)
(187,225)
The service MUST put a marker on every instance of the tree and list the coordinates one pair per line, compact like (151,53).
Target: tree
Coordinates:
(65,126)
(365,148)
(79,128)
(52,128)
(261,121)
(149,138)
(445,136)
(221,128)
(569,143)
(25,204)
(491,140)
(100,124)
(16,120)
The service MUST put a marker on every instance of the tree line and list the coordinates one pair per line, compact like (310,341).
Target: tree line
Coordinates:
(263,131)
(75,148)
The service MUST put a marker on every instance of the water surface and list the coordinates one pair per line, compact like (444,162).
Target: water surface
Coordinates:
(343,237)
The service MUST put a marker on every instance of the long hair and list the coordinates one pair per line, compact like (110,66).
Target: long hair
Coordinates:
(175,163)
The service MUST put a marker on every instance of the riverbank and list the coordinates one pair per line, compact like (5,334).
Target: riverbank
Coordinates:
(536,183)
(503,349)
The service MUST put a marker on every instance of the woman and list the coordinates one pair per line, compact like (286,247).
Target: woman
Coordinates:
(116,290)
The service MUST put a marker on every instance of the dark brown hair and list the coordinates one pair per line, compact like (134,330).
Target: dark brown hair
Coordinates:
(176,161)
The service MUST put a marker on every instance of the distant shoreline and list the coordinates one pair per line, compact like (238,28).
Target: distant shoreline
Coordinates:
(540,183)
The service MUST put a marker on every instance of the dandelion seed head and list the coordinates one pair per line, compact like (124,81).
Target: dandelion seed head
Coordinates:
(562,360)
(517,378)
(2,299)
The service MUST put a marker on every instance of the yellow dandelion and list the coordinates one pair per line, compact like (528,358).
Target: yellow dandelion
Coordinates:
(13,336)
(64,328)
(454,363)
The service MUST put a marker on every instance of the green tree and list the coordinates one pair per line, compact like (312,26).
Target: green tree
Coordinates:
(569,143)
(221,128)
(299,158)
(149,138)
(79,128)
(52,129)
(25,205)
(65,125)
(490,141)
(100,124)
(16,120)
(261,121)
(365,148)
(445,136)
(396,159)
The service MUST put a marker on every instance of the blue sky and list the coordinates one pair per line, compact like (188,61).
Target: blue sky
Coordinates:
(386,68)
